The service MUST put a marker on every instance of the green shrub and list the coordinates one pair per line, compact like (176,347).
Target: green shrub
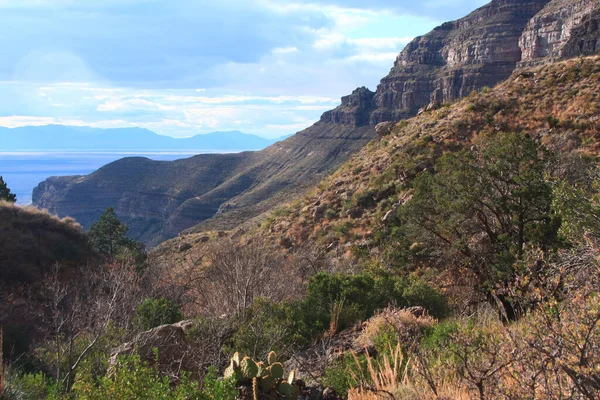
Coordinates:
(30,386)
(155,312)
(263,327)
(419,293)
(132,379)
(341,375)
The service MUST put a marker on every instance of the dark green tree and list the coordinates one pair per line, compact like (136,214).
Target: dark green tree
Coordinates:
(155,312)
(108,235)
(482,207)
(5,193)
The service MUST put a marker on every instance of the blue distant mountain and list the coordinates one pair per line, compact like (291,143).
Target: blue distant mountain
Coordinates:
(60,137)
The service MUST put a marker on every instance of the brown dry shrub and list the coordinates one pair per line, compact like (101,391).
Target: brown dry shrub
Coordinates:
(402,321)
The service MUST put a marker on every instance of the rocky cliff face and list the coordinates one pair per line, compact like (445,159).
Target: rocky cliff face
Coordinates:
(481,49)
(562,29)
(454,59)
(355,109)
(159,200)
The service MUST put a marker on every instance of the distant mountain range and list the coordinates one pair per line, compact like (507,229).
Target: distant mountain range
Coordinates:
(70,138)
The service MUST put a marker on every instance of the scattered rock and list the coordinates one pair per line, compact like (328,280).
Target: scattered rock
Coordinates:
(202,239)
(355,212)
(184,247)
(384,129)
(319,212)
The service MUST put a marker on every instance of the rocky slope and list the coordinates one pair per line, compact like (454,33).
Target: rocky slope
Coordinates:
(159,200)
(347,214)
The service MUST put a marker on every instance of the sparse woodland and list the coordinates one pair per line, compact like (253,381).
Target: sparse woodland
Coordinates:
(456,257)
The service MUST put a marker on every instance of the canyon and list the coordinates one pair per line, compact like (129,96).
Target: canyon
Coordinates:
(158,200)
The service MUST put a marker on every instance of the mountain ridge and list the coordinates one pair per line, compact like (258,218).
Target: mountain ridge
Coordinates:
(455,59)
(65,137)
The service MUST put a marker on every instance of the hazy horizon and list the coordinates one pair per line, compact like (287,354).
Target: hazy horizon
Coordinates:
(179,68)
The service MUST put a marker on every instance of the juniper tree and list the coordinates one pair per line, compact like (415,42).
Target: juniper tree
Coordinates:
(5,193)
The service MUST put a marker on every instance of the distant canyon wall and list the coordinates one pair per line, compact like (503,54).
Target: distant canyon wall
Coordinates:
(481,49)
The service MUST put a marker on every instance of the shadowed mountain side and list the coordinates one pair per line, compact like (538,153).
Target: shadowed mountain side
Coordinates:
(159,199)
(33,241)
(291,167)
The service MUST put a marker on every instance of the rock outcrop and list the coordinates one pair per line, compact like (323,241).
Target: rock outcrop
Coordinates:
(355,109)
(174,350)
(454,59)
(562,29)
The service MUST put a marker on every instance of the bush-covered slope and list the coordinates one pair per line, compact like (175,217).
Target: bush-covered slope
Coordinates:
(351,212)
(32,241)
(558,105)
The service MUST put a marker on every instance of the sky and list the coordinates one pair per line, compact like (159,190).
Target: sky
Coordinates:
(186,67)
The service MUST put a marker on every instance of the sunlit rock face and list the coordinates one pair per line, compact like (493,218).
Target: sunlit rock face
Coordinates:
(454,59)
(562,29)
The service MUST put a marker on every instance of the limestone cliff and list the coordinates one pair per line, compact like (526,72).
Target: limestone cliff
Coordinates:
(562,29)
(454,59)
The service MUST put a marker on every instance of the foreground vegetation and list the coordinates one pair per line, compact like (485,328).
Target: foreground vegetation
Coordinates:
(459,265)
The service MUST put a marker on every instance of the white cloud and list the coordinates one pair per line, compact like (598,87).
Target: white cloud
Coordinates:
(276,66)
(285,50)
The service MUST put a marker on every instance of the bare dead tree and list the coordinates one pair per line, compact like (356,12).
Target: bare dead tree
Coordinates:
(237,273)
(78,309)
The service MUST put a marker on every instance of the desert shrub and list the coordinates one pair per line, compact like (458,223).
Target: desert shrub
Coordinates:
(265,326)
(482,207)
(341,375)
(130,378)
(363,294)
(255,266)
(365,199)
(155,312)
(333,302)
(30,386)
(419,293)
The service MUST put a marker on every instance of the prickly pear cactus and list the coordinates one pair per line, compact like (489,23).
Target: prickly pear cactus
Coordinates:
(272,358)
(249,368)
(266,379)
(289,391)
(276,370)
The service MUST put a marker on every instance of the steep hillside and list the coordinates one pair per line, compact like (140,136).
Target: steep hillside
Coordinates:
(448,63)
(349,212)
(32,241)
(160,199)
(558,105)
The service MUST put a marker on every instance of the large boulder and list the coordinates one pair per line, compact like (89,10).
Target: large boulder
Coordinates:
(184,346)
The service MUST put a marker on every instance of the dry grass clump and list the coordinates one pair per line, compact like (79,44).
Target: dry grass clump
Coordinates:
(404,321)
(394,378)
